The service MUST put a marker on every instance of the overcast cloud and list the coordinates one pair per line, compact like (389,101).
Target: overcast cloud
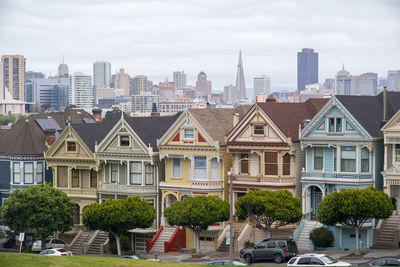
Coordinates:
(157,37)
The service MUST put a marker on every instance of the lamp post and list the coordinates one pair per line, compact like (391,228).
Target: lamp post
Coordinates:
(231,233)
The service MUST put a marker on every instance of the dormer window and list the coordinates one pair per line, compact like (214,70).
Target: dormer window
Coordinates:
(124,141)
(258,129)
(335,125)
(188,133)
(71,146)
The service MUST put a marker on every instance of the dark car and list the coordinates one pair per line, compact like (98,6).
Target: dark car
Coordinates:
(381,262)
(278,250)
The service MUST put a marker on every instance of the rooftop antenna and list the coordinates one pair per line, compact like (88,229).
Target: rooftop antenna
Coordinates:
(63,58)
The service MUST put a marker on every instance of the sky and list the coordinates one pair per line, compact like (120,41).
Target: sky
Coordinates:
(155,38)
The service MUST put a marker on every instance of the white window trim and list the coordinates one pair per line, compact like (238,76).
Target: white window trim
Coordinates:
(33,173)
(323,159)
(254,128)
(180,168)
(20,173)
(184,136)
(218,170)
(194,169)
(335,121)
(141,173)
(119,140)
(117,181)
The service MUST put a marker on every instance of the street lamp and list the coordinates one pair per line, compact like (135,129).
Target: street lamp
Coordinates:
(231,233)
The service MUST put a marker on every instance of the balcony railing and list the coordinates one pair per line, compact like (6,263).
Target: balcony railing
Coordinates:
(114,187)
(277,181)
(335,176)
(205,184)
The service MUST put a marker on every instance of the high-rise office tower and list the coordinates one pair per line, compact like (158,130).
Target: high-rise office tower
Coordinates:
(139,85)
(179,78)
(347,84)
(80,90)
(203,86)
(393,80)
(240,84)
(101,74)
(14,75)
(262,85)
(122,81)
(2,94)
(229,94)
(307,68)
(63,70)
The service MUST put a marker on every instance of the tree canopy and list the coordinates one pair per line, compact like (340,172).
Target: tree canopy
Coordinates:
(44,209)
(353,207)
(113,115)
(197,213)
(267,207)
(119,216)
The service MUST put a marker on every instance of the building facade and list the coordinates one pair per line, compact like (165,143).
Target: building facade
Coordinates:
(80,90)
(179,79)
(14,75)
(122,81)
(262,85)
(307,68)
(101,74)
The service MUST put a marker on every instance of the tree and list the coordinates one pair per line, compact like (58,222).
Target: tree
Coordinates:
(119,216)
(44,209)
(267,207)
(322,237)
(197,213)
(353,207)
(113,115)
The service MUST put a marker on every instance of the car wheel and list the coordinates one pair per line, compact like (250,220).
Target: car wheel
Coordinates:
(278,258)
(248,258)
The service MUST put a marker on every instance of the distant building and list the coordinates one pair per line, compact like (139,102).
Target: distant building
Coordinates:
(142,104)
(63,69)
(203,86)
(383,81)
(307,68)
(14,75)
(2,94)
(33,75)
(104,92)
(347,84)
(230,94)
(393,80)
(373,75)
(109,102)
(179,78)
(101,74)
(262,85)
(122,81)
(166,85)
(329,83)
(139,85)
(240,83)
(171,107)
(80,90)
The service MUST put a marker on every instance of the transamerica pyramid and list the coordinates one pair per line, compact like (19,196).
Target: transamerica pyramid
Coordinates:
(240,85)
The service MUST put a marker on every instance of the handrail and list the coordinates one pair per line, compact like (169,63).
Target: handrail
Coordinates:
(168,245)
(221,237)
(150,244)
(75,238)
(243,226)
(299,229)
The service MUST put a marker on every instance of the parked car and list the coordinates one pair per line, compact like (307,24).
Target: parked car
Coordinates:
(50,243)
(381,262)
(226,262)
(136,257)
(314,260)
(56,252)
(278,250)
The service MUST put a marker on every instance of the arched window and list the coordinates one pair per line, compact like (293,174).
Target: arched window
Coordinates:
(77,218)
(286,164)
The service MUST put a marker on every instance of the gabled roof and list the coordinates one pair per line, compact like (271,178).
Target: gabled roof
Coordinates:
(217,122)
(92,133)
(26,137)
(368,110)
(149,129)
(288,116)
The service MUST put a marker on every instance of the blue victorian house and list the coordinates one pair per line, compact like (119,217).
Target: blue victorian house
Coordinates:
(343,148)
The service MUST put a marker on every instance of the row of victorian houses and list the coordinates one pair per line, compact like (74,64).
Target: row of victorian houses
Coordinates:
(311,148)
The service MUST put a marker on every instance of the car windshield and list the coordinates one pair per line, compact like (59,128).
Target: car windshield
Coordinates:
(62,250)
(328,260)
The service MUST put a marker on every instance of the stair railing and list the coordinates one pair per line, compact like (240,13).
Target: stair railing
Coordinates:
(75,238)
(177,240)
(86,244)
(222,236)
(298,230)
(150,244)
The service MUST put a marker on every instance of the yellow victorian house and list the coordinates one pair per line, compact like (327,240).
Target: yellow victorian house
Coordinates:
(73,161)
(196,162)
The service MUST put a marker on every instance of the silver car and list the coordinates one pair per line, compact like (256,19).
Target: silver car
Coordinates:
(50,243)
(56,252)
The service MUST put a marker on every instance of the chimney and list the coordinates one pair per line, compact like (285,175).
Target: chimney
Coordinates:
(97,114)
(50,136)
(385,104)
(154,112)
(235,119)
(270,99)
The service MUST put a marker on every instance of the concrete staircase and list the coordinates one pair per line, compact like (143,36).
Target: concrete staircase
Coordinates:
(97,242)
(387,232)
(163,237)
(303,241)
(237,226)
(76,248)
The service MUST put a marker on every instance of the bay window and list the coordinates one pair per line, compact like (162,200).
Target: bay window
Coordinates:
(244,163)
(149,173)
(39,172)
(16,173)
(28,172)
(114,172)
(136,173)
(214,169)
(75,178)
(271,163)
(200,168)
(348,159)
(318,158)
(286,164)
(364,159)
(176,168)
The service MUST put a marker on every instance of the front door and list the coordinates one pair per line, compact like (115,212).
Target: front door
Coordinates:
(395,192)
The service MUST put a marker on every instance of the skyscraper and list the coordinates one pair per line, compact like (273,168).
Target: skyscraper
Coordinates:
(347,84)
(307,68)
(229,94)
(122,81)
(203,86)
(2,94)
(393,80)
(63,69)
(80,90)
(262,85)
(14,75)
(240,84)
(139,85)
(179,78)
(101,74)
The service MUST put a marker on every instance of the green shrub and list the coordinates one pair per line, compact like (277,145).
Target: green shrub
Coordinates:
(322,237)
(125,244)
(249,244)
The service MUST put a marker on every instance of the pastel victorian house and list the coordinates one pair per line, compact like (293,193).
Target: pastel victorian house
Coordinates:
(74,164)
(196,163)
(22,148)
(129,158)
(344,149)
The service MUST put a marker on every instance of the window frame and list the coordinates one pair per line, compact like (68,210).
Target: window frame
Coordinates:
(31,173)
(114,171)
(354,148)
(19,172)
(200,169)
(362,160)
(396,155)
(287,164)
(244,162)
(262,128)
(185,136)
(134,173)
(319,157)
(39,174)
(58,175)
(122,143)
(337,126)
(276,164)
(91,178)
(214,166)
(75,177)
(146,168)
(75,145)
(174,168)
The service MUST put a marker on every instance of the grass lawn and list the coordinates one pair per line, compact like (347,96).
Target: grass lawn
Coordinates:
(25,259)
